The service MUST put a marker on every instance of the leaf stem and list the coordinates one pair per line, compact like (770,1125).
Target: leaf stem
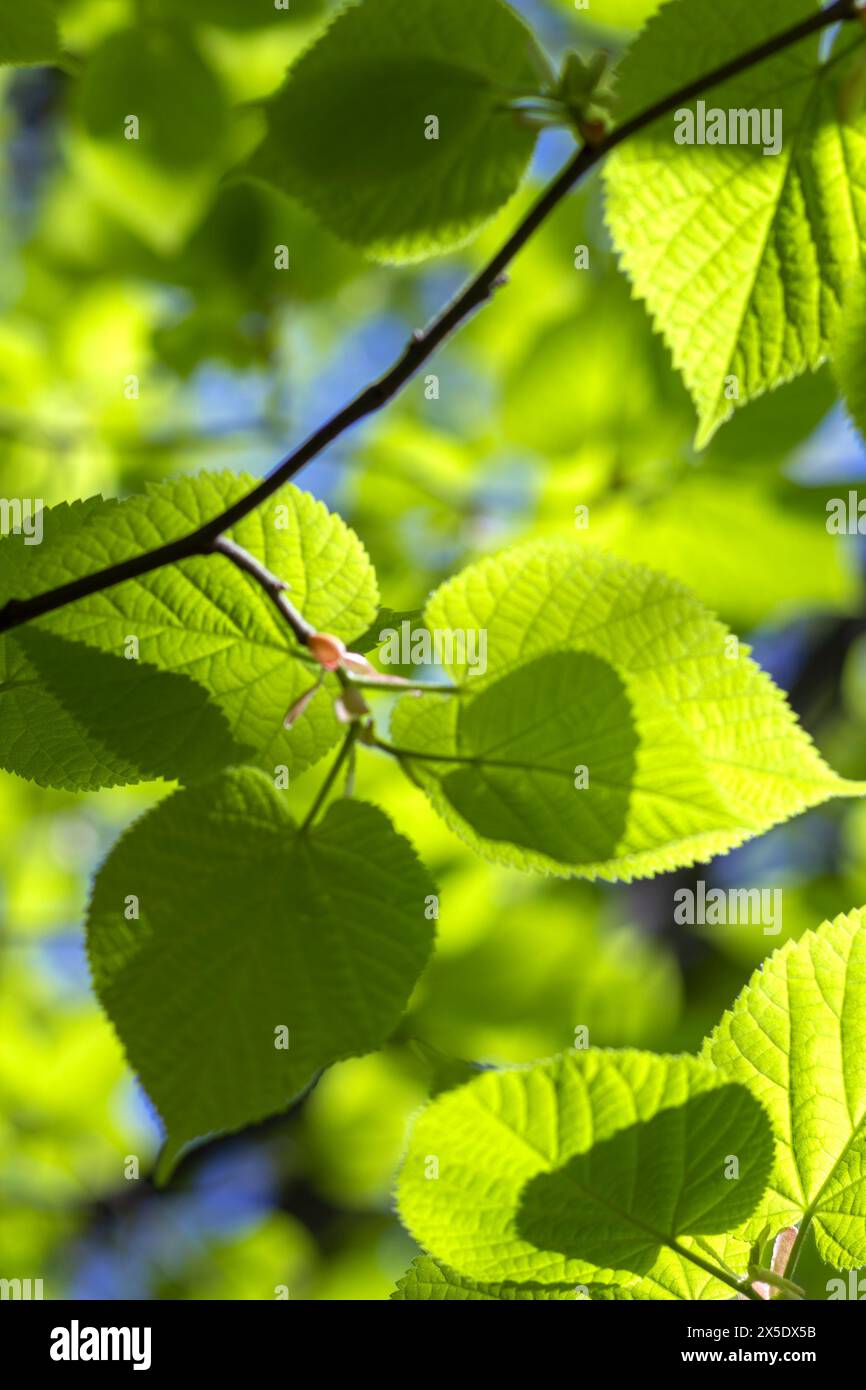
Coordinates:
(274,587)
(348,746)
(409,754)
(797,1248)
(423,343)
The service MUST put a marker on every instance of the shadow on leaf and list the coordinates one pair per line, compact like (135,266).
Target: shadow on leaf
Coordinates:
(696,1169)
(132,721)
(553,746)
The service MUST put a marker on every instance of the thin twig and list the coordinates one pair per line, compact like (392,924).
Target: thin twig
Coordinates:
(348,745)
(424,343)
(274,587)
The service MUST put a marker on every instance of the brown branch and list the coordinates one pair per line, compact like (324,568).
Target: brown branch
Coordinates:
(423,344)
(274,587)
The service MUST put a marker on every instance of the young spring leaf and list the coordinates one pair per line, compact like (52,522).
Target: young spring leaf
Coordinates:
(28,32)
(741,256)
(237,956)
(395,128)
(594,1168)
(796,1036)
(229,661)
(619,730)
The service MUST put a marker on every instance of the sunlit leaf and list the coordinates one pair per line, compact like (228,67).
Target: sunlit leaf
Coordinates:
(255,954)
(796,1036)
(617,730)
(229,662)
(741,255)
(598,1167)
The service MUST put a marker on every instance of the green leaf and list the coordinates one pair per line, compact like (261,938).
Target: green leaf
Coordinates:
(796,1036)
(157,175)
(741,258)
(761,438)
(81,719)
(596,1167)
(849,360)
(28,32)
(443,1072)
(246,926)
(428,1281)
(231,657)
(158,77)
(346,134)
(519,739)
(596,664)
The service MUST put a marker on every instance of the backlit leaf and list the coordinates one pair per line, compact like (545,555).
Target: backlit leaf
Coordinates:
(597,1167)
(231,662)
(741,256)
(245,926)
(618,729)
(796,1036)
(349,134)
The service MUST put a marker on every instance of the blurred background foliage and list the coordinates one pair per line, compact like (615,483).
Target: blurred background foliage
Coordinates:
(158,263)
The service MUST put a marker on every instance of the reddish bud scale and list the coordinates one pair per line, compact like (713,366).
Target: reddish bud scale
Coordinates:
(328,651)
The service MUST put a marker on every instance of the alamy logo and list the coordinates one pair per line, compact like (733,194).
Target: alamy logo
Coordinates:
(719,907)
(737,126)
(24,1289)
(76,1343)
(22,516)
(441,647)
(854,1289)
(847,516)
